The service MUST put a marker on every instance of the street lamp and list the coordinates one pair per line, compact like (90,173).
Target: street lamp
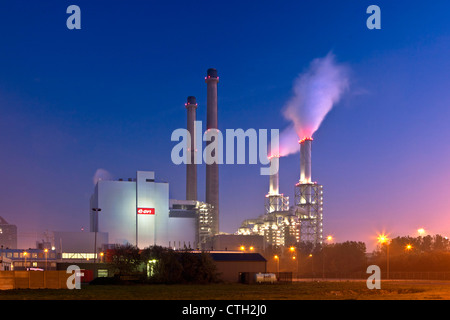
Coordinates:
(96,210)
(383,239)
(46,252)
(278,263)
(421,231)
(408,247)
(329,239)
(25,256)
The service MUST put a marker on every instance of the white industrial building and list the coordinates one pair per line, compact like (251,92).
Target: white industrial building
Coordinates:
(138,211)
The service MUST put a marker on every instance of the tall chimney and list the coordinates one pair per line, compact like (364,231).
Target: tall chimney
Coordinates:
(212,170)
(191,166)
(305,160)
(274,178)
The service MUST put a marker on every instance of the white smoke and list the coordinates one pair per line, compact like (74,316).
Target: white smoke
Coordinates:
(101,174)
(315,92)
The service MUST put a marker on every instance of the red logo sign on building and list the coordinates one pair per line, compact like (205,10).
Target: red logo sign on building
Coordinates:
(146,211)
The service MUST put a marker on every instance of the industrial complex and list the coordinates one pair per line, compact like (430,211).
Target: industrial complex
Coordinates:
(138,211)
(285,225)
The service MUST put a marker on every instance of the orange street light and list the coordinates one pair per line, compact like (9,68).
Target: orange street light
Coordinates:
(408,247)
(384,239)
(242,248)
(46,252)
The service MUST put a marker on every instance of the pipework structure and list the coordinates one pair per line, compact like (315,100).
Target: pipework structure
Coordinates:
(278,225)
(308,198)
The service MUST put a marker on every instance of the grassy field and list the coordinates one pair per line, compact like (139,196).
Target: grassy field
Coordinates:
(323,290)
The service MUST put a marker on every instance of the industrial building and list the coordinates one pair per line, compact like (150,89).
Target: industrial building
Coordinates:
(233,242)
(8,234)
(138,210)
(284,225)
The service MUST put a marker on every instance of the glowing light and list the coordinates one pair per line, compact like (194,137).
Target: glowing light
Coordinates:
(421,231)
(305,139)
(251,248)
(242,248)
(382,238)
(408,247)
(329,238)
(292,249)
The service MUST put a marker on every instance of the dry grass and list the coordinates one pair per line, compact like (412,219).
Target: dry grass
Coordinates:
(323,290)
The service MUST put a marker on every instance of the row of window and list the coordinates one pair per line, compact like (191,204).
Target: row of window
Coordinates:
(32,255)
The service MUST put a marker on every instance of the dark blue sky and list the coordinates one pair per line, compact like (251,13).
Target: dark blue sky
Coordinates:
(109,96)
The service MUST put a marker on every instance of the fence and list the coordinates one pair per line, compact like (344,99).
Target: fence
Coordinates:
(384,276)
(33,279)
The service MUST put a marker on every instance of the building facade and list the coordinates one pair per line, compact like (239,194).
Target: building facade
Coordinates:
(138,211)
(8,234)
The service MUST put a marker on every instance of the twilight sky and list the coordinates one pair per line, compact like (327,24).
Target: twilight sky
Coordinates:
(109,96)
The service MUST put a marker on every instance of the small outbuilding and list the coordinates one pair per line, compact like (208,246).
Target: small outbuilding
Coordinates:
(231,265)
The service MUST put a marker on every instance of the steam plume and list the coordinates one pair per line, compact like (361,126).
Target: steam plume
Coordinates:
(314,94)
(101,174)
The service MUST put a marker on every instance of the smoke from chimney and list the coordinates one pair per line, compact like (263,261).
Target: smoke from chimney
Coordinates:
(315,92)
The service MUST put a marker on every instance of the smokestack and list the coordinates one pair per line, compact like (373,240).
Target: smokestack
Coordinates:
(305,160)
(212,170)
(191,167)
(274,178)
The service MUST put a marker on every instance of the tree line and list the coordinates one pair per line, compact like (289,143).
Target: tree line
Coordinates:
(406,254)
(156,264)
(414,254)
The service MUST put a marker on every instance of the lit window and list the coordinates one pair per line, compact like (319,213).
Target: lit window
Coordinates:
(102,273)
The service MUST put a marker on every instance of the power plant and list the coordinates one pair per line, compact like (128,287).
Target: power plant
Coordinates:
(138,210)
(282,225)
